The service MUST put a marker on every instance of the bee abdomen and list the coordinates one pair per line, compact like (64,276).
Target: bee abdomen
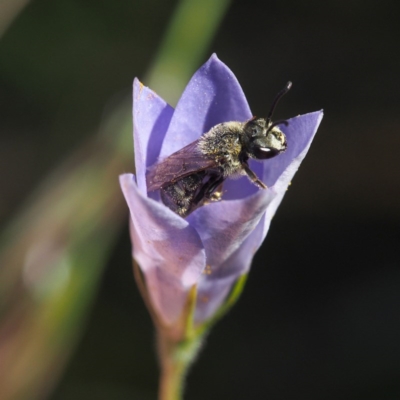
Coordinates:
(179,195)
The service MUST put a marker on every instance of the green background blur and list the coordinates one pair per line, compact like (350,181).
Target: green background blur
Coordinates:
(319,318)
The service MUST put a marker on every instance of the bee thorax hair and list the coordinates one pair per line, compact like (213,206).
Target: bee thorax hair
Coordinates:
(223,144)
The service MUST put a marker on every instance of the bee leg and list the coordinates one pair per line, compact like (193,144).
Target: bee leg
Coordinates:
(208,188)
(213,187)
(216,195)
(252,176)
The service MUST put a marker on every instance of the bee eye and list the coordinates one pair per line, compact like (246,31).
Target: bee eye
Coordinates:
(256,131)
(253,128)
(263,153)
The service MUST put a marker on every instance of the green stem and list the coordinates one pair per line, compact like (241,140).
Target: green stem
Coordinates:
(179,345)
(175,360)
(171,379)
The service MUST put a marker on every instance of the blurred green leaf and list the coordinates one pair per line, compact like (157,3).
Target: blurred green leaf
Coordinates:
(9,10)
(53,254)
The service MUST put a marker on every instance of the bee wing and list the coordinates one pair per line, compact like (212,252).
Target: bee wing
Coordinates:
(182,163)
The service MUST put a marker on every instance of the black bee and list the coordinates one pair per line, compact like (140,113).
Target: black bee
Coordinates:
(193,176)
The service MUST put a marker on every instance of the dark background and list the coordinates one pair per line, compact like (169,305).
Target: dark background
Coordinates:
(319,317)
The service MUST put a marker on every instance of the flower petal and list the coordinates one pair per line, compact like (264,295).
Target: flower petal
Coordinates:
(212,96)
(211,294)
(151,117)
(168,250)
(299,134)
(216,284)
(228,224)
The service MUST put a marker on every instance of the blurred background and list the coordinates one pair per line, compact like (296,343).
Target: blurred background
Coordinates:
(319,317)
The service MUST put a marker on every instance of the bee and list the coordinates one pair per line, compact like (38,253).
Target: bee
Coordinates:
(193,176)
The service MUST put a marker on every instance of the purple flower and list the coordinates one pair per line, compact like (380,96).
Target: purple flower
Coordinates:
(215,244)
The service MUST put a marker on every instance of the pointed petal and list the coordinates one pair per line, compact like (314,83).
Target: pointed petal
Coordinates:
(299,134)
(168,250)
(212,96)
(151,118)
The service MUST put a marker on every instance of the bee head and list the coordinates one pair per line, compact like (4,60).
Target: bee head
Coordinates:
(264,140)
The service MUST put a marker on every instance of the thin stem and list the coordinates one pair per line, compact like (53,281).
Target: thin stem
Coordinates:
(175,359)
(171,380)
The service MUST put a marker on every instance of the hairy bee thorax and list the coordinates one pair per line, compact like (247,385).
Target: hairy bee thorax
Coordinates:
(223,143)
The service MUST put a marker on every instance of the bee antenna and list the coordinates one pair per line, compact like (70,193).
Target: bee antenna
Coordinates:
(282,121)
(277,98)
